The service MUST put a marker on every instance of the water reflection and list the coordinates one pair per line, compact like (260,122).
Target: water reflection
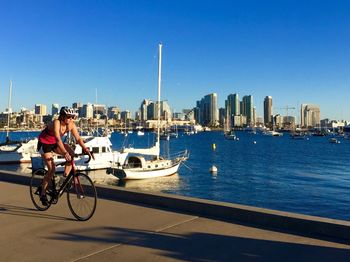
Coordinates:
(20,168)
(158,184)
(101,177)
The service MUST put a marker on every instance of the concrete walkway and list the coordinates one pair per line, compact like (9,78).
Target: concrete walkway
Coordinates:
(131,232)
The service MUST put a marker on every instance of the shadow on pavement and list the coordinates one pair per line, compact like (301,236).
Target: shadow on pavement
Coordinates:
(27,212)
(200,246)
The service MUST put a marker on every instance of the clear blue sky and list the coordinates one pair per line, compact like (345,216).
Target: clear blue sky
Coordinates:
(60,51)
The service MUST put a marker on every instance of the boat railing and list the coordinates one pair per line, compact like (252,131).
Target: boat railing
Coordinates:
(181,155)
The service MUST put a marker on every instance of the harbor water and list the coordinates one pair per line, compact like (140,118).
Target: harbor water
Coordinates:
(303,176)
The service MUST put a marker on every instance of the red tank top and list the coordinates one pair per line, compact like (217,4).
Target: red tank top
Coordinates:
(47,137)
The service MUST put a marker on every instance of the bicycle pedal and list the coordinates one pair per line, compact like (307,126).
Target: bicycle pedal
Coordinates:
(80,196)
(54,201)
(50,193)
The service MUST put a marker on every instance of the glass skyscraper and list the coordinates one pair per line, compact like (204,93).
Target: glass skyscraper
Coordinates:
(268,111)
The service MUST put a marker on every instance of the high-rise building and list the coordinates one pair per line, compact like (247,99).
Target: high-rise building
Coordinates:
(268,111)
(40,109)
(223,116)
(55,109)
(165,110)
(149,110)
(247,107)
(87,111)
(208,109)
(125,115)
(233,104)
(77,105)
(143,109)
(310,115)
(113,112)
(232,107)
(99,110)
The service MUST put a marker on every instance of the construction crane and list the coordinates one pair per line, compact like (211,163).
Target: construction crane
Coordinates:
(286,108)
(288,121)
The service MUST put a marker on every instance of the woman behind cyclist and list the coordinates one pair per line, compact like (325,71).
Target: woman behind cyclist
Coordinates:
(50,142)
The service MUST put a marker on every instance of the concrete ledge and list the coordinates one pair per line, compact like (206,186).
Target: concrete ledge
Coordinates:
(302,224)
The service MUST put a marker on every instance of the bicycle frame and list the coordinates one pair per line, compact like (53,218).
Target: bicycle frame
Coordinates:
(58,193)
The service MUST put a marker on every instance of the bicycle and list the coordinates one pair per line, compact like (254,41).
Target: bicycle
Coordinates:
(81,191)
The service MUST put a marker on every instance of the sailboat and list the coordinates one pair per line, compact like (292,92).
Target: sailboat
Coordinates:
(147,163)
(12,152)
(228,132)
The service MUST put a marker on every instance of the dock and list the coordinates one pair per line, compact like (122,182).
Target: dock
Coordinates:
(130,225)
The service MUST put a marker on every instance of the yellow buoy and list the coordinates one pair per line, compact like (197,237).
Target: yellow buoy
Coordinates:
(214,146)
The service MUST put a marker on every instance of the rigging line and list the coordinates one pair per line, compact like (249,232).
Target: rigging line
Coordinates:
(189,168)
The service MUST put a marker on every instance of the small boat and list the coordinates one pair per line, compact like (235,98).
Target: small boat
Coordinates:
(319,133)
(145,163)
(230,135)
(273,133)
(333,140)
(299,136)
(140,133)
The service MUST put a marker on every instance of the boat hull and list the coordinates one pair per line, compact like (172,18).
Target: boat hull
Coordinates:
(20,153)
(14,158)
(143,173)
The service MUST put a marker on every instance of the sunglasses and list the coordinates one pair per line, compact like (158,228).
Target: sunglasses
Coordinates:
(70,117)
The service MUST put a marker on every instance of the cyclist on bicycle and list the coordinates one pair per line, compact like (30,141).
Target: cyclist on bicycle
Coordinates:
(50,142)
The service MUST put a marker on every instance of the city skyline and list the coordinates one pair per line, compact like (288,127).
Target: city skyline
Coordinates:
(62,51)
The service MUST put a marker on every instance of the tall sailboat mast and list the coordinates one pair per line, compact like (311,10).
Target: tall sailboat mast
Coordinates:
(159,85)
(9,111)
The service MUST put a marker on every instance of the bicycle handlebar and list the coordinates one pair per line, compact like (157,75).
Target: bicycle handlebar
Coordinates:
(75,155)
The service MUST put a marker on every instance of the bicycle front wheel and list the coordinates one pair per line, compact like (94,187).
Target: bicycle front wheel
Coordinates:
(82,197)
(35,189)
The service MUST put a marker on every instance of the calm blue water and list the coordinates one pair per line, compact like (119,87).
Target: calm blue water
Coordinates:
(303,176)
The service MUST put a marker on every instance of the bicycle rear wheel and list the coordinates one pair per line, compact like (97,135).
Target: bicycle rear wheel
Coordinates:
(35,189)
(82,197)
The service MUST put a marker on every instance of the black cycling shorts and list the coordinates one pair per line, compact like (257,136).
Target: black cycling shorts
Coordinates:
(46,147)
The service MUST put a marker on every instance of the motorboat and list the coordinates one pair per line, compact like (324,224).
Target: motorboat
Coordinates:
(142,163)
(101,146)
(333,140)
(299,136)
(140,133)
(273,133)
(231,135)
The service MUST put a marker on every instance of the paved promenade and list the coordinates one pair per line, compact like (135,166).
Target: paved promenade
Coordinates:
(134,232)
